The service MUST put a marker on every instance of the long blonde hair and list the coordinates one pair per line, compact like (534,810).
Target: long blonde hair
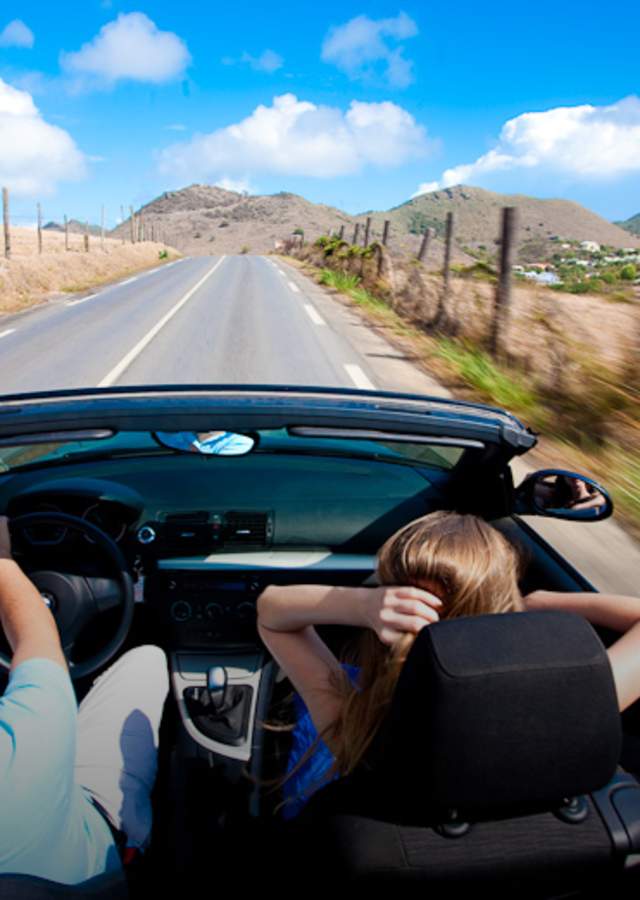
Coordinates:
(472,568)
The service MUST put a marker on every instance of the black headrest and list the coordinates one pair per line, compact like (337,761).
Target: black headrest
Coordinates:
(499,715)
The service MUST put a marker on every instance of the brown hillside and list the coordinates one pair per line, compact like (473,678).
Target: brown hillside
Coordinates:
(477,221)
(204,219)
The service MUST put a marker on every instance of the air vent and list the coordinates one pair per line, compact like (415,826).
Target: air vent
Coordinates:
(188,518)
(243,528)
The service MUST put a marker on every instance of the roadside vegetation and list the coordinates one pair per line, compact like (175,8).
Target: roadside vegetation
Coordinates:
(568,372)
(29,277)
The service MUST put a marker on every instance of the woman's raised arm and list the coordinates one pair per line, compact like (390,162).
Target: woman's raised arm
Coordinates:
(616,611)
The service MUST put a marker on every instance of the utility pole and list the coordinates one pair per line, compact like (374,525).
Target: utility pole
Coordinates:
(356,232)
(442,317)
(385,232)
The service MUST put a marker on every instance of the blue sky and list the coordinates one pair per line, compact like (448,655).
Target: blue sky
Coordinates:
(358,105)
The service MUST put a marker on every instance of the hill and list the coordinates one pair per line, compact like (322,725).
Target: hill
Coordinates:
(632,225)
(542,223)
(204,219)
(74,225)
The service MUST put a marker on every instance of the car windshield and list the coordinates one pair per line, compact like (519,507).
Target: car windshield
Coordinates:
(416,453)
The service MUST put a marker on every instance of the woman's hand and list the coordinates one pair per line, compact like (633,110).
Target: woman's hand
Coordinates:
(394,611)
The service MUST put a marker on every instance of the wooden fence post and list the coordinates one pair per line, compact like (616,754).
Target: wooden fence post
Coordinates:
(341,233)
(86,237)
(102,226)
(367,231)
(503,289)
(385,232)
(132,225)
(424,244)
(66,233)
(39,228)
(442,316)
(5,216)
(356,232)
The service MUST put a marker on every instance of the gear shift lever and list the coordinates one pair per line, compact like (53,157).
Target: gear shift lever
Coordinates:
(217,687)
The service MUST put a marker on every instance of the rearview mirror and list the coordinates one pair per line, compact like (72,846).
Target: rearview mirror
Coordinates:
(207,443)
(562,495)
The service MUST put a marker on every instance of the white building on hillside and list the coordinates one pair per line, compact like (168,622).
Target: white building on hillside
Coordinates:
(590,246)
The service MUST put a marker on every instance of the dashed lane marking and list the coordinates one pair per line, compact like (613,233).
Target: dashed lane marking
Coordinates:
(126,361)
(315,317)
(294,287)
(358,377)
(82,300)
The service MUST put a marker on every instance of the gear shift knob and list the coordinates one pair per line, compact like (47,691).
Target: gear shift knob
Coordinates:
(217,686)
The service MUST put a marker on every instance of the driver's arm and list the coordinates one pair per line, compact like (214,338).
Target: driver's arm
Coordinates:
(29,626)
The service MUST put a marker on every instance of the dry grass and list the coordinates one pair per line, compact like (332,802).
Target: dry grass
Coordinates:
(29,278)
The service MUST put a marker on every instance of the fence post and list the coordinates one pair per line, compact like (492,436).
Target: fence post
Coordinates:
(132,225)
(102,226)
(367,230)
(424,244)
(385,232)
(122,229)
(66,233)
(39,228)
(356,232)
(5,215)
(341,233)
(442,317)
(503,289)
(86,237)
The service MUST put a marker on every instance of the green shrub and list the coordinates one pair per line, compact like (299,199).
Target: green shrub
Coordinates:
(245,248)
(163,254)
(628,272)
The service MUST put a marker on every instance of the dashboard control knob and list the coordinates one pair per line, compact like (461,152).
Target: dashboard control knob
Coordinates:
(246,612)
(146,535)
(214,612)
(180,611)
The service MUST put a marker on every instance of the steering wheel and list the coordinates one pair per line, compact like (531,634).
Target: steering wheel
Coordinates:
(75,600)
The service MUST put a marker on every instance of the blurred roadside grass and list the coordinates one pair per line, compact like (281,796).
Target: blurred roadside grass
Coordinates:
(590,423)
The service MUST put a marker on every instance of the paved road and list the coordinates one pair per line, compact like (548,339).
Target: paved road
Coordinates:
(244,319)
(203,320)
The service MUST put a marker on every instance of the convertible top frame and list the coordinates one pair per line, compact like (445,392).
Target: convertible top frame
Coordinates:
(250,407)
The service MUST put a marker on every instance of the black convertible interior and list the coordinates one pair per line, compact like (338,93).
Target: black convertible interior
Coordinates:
(504,762)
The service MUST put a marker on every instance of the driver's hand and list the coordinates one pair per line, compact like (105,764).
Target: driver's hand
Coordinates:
(5,539)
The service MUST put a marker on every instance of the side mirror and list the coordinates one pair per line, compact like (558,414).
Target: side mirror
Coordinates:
(562,495)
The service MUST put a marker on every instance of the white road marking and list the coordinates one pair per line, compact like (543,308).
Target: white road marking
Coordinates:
(5,333)
(315,317)
(128,281)
(294,287)
(358,377)
(83,300)
(126,361)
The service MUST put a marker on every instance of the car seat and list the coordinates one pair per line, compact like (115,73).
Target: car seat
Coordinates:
(495,768)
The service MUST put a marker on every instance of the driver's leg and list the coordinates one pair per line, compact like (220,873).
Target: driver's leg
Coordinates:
(118,723)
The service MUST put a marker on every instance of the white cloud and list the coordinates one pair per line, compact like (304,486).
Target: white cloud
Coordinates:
(176,126)
(131,47)
(34,155)
(362,44)
(239,185)
(296,137)
(268,61)
(585,142)
(16,34)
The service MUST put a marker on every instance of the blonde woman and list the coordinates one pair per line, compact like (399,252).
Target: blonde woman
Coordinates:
(441,566)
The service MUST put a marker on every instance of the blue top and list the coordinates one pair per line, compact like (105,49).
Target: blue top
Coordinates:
(314,772)
(48,825)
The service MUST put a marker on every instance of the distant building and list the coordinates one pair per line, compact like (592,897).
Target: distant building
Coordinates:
(590,246)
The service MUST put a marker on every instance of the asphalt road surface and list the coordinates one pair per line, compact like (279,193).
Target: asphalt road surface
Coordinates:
(244,320)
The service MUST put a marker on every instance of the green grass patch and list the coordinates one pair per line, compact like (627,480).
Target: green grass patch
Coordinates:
(492,381)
